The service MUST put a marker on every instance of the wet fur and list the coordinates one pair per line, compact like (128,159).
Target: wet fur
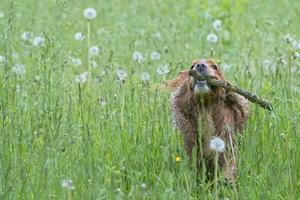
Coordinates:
(200,117)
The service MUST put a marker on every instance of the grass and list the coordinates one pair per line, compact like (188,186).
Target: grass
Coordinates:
(115,140)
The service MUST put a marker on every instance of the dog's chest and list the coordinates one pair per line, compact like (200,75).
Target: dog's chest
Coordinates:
(206,124)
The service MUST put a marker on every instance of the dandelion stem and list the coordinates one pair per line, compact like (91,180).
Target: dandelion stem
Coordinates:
(69,195)
(216,175)
(88,43)
(122,107)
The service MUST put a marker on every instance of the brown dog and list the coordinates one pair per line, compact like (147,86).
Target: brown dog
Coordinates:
(201,112)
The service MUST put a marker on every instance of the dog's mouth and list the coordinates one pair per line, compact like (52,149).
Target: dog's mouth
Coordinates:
(201,87)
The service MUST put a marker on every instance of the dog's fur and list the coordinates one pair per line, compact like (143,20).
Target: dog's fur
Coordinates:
(201,112)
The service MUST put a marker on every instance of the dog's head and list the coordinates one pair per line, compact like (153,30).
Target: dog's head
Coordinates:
(206,68)
(200,88)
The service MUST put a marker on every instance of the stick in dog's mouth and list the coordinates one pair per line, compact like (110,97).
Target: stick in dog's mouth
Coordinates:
(229,87)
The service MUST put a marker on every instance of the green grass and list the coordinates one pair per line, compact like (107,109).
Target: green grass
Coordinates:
(52,128)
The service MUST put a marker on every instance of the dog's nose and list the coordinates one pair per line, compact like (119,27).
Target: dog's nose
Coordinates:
(200,66)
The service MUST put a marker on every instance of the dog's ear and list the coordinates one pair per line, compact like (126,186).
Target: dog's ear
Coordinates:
(171,85)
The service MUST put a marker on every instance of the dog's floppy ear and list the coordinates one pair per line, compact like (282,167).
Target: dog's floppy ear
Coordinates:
(182,78)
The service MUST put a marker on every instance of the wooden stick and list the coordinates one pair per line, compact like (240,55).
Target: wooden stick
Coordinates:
(227,86)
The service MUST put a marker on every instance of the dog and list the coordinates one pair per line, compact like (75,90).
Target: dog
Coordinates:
(201,112)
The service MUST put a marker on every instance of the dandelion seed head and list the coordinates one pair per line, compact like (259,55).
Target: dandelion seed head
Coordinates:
(79,36)
(143,186)
(67,184)
(283,136)
(156,35)
(93,63)
(26,36)
(217,24)
(217,144)
(1,14)
(163,70)
(121,75)
(94,51)
(90,13)
(288,38)
(212,38)
(296,44)
(82,78)
(76,61)
(137,56)
(282,60)
(19,69)
(145,76)
(296,55)
(155,55)
(2,58)
(38,41)
(102,102)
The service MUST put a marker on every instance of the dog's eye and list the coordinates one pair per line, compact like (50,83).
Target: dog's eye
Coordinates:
(214,66)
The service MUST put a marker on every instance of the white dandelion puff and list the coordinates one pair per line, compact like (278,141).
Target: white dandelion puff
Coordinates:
(282,60)
(94,51)
(26,36)
(217,24)
(156,35)
(82,78)
(137,56)
(1,14)
(67,184)
(288,38)
(38,41)
(163,70)
(296,44)
(79,36)
(145,76)
(90,13)
(76,61)
(93,63)
(121,75)
(2,58)
(19,69)
(213,38)
(296,55)
(155,55)
(143,186)
(102,102)
(217,144)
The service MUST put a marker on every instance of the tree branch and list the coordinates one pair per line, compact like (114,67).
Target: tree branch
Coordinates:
(227,86)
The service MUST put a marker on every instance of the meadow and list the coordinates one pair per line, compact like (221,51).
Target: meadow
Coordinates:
(81,116)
